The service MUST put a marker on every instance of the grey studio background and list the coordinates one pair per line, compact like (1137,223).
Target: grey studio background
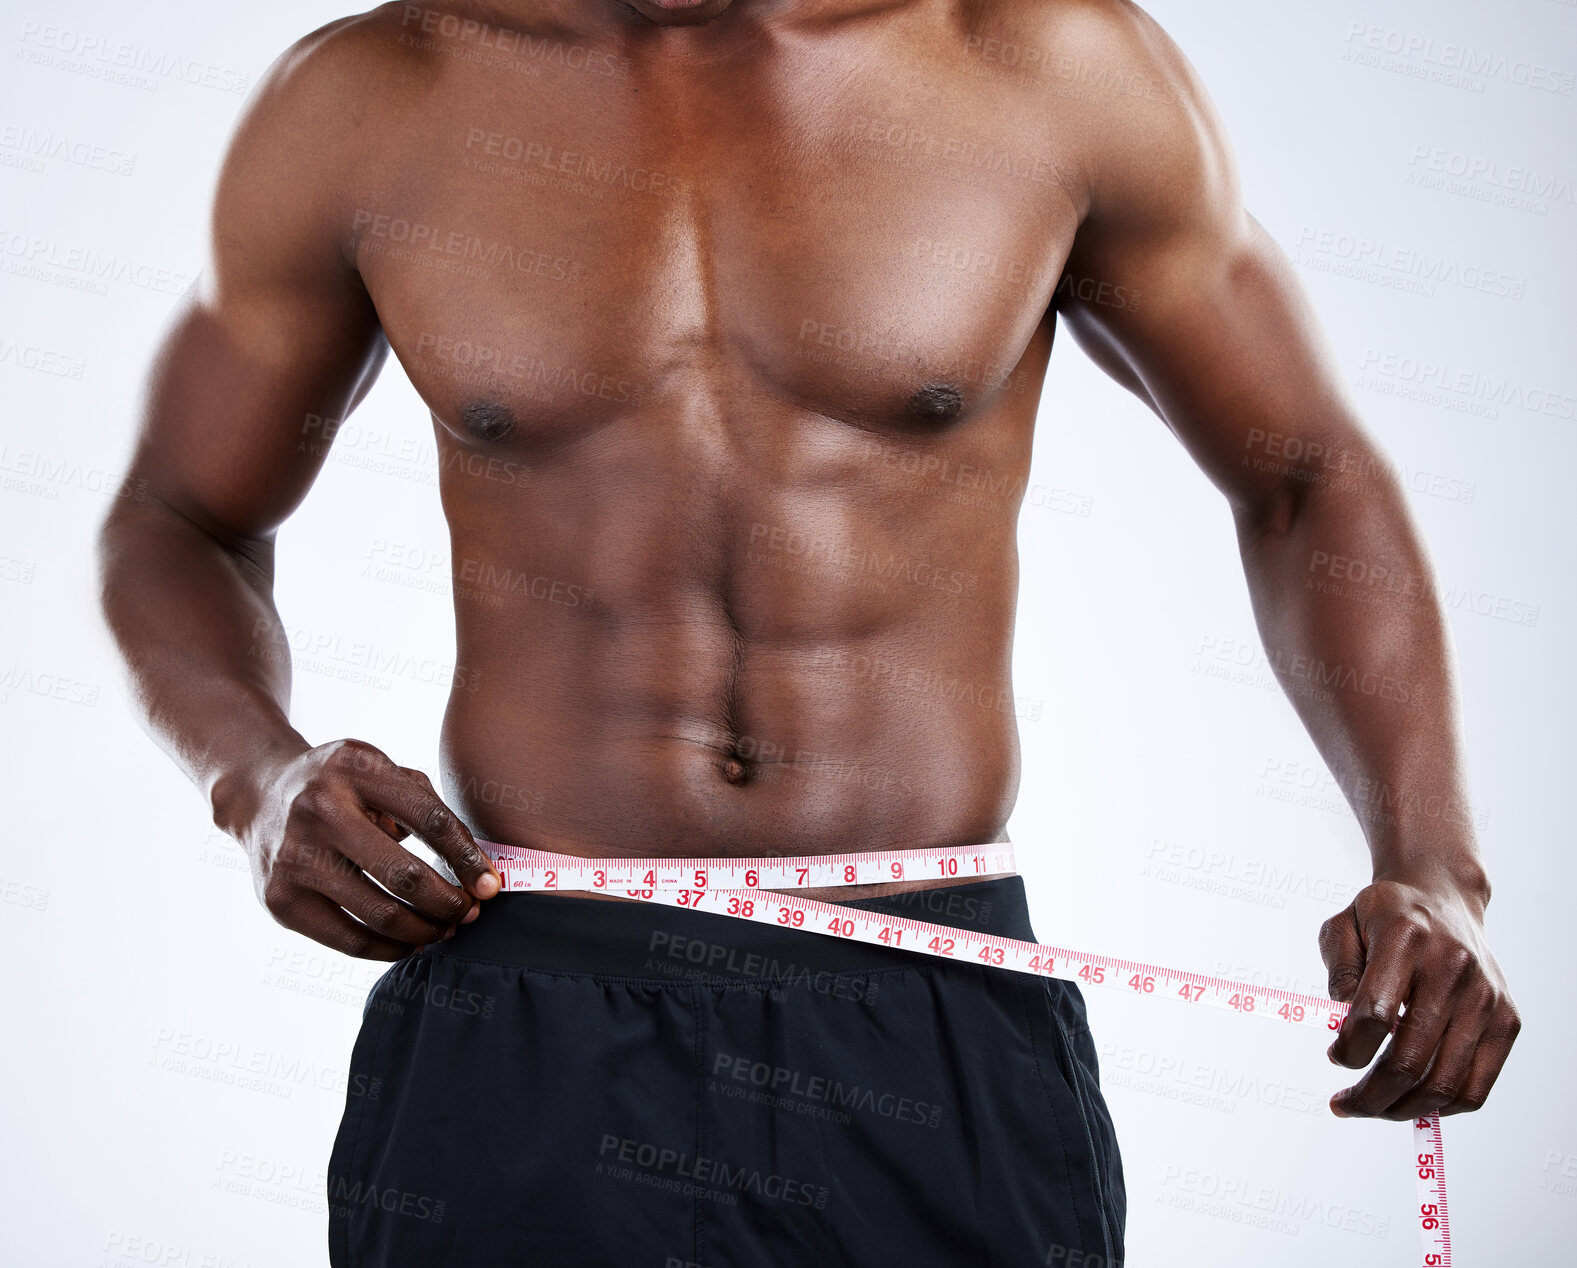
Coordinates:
(175,1062)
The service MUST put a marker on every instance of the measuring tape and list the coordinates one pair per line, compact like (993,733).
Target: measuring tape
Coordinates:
(745,889)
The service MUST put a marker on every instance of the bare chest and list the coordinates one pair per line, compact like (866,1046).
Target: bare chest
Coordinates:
(553,251)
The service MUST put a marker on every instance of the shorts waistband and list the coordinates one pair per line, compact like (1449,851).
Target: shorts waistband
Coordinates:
(557,933)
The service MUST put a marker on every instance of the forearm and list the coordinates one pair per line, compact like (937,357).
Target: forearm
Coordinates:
(203,647)
(1346,605)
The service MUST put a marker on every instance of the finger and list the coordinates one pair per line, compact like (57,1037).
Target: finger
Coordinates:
(1448,1075)
(1405,1062)
(385,823)
(421,777)
(1494,1046)
(379,910)
(1377,1003)
(405,876)
(418,808)
(1341,947)
(325,922)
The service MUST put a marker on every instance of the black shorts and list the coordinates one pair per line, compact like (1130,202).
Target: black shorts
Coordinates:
(621,1085)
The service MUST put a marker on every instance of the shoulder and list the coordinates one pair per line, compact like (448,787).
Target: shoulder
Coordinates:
(341,72)
(1125,106)
(329,105)
(1115,35)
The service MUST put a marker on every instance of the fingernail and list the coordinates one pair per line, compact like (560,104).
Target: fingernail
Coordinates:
(1338,1110)
(487,886)
(448,935)
(476,910)
(1330,1055)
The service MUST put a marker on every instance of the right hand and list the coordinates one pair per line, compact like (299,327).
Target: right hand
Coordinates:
(327,826)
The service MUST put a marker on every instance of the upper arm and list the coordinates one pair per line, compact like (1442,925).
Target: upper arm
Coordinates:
(1214,331)
(278,333)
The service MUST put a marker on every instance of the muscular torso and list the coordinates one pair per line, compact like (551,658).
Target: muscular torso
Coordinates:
(733,350)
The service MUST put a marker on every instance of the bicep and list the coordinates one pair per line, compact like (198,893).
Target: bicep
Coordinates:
(275,342)
(241,408)
(1225,348)
(1214,330)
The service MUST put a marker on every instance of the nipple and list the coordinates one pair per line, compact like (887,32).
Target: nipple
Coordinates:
(488,420)
(937,401)
(734,771)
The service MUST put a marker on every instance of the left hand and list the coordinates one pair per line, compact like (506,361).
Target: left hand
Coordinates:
(1416,941)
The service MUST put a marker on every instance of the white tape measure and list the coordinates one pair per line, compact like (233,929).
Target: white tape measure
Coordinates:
(745,889)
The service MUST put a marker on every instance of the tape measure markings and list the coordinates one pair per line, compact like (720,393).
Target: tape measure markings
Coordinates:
(744,889)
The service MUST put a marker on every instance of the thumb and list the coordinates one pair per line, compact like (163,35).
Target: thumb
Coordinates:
(1341,947)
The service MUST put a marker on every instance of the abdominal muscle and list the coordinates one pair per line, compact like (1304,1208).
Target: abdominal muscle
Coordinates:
(751,662)
(598,766)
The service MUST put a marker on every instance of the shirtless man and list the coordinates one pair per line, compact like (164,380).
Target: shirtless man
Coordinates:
(705,299)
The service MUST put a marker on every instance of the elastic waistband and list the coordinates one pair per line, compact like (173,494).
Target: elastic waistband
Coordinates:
(560,934)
